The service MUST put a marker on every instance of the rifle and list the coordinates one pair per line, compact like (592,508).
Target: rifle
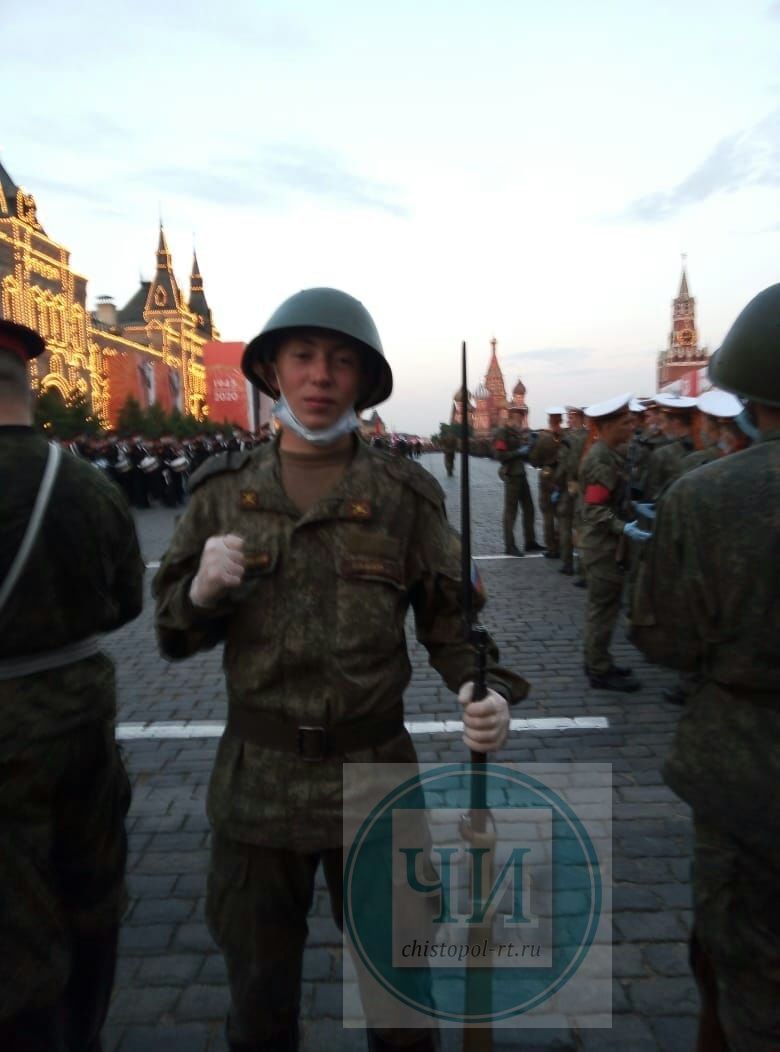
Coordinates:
(474,825)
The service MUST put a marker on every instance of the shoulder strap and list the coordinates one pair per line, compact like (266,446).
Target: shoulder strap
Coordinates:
(34,525)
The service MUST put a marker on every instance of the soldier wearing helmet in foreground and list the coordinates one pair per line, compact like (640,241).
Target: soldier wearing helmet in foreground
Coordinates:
(304,556)
(713,593)
(70,569)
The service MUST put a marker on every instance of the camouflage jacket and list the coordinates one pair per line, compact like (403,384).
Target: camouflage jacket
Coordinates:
(698,458)
(714,595)
(84,576)
(512,460)
(602,493)
(316,636)
(569,456)
(663,465)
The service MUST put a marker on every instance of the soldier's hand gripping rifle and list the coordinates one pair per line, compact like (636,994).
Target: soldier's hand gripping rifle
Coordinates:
(477,827)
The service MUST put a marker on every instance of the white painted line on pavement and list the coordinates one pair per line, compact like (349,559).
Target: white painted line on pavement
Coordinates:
(484,558)
(214,728)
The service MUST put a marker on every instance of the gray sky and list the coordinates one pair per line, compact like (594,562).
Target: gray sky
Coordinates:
(469,170)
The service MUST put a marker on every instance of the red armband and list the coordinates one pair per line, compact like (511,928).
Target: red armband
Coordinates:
(500,445)
(597,494)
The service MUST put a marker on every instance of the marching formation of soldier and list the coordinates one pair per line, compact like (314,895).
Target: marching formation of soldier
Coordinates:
(303,556)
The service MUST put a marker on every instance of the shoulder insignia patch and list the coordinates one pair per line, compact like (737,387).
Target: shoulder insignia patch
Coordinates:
(357,510)
(249,499)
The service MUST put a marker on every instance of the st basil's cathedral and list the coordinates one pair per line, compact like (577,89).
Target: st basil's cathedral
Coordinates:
(489,407)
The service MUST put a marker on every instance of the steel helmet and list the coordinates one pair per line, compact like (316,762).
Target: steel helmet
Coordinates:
(748,361)
(334,311)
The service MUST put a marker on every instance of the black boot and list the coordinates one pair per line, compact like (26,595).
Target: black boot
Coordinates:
(567,569)
(534,547)
(612,680)
(514,550)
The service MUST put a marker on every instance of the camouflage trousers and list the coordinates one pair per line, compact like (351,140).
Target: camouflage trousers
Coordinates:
(517,492)
(449,462)
(549,513)
(257,903)
(737,925)
(63,850)
(565,511)
(605,588)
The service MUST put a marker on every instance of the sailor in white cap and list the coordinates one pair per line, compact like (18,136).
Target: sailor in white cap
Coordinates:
(544,456)
(604,486)
(677,413)
(714,407)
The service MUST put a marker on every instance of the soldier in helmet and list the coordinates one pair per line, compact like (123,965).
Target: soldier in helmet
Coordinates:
(304,556)
(713,592)
(70,569)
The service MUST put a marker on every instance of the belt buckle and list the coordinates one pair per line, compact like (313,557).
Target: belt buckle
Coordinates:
(305,750)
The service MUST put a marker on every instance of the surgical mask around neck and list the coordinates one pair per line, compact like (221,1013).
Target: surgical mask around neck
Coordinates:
(325,436)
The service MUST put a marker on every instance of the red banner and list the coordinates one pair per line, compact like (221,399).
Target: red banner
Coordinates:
(226,387)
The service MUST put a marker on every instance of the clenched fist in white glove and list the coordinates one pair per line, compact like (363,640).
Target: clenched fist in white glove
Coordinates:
(485,722)
(221,568)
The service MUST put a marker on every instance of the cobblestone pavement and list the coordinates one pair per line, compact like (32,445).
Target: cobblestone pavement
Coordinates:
(171,990)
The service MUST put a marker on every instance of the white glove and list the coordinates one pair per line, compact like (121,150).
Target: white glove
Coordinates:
(221,568)
(485,722)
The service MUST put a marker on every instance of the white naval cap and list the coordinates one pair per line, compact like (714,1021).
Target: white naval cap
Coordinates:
(719,403)
(555,410)
(674,401)
(636,406)
(610,407)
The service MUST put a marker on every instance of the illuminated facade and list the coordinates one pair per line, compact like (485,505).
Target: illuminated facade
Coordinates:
(151,349)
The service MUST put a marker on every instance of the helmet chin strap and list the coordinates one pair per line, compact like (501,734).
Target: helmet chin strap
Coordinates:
(325,436)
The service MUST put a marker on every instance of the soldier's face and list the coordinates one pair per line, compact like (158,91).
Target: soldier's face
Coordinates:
(320,376)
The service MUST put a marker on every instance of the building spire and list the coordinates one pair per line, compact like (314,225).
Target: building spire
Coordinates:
(163,294)
(197,302)
(684,279)
(163,255)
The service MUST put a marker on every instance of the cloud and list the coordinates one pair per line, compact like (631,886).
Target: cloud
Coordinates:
(748,158)
(542,356)
(280,174)
(774,9)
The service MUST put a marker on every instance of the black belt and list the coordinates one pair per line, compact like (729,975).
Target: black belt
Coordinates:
(313,743)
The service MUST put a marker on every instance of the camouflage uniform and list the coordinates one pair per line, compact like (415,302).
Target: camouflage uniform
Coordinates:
(602,487)
(699,458)
(663,465)
(516,492)
(711,602)
(572,444)
(65,792)
(314,638)
(545,457)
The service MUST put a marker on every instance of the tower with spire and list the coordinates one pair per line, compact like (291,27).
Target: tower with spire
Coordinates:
(683,352)
(489,407)
(197,301)
(152,348)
